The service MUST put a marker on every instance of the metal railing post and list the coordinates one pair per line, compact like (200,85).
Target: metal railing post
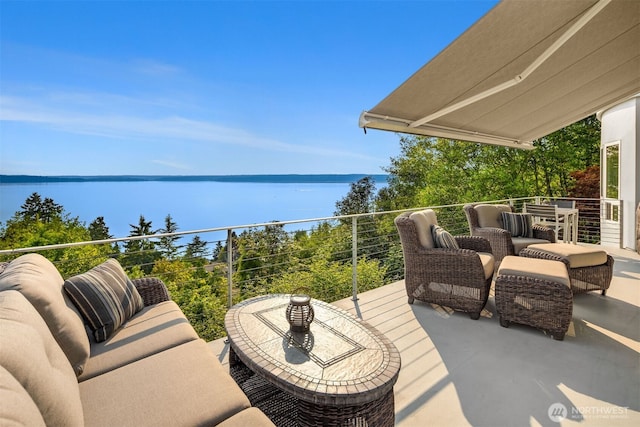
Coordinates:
(230,267)
(354,256)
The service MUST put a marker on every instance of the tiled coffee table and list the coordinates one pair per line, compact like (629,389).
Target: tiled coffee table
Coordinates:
(340,373)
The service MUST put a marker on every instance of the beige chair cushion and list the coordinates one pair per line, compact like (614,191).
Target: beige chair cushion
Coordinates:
(40,282)
(152,330)
(578,256)
(423,220)
(553,271)
(32,356)
(145,392)
(17,407)
(488,263)
(491,215)
(246,418)
(519,243)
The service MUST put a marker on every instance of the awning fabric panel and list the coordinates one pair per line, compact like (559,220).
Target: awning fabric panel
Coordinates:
(597,67)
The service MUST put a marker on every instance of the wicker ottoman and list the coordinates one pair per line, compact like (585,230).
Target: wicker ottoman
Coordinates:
(590,269)
(534,292)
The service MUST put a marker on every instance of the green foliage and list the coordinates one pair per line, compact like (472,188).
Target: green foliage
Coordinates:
(561,153)
(200,294)
(262,252)
(437,171)
(360,198)
(330,280)
(44,223)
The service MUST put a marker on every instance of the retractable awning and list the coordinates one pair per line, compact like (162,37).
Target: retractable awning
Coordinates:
(523,71)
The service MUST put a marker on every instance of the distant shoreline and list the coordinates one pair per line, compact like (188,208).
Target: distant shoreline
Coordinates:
(265,178)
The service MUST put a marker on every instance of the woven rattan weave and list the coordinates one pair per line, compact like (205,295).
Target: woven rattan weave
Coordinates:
(542,303)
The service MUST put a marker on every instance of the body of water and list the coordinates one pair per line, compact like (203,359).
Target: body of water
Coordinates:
(193,205)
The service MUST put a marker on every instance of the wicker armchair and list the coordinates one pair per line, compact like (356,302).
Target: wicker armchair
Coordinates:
(486,221)
(455,278)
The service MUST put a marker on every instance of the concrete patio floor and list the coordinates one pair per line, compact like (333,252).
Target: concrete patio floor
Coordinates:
(462,372)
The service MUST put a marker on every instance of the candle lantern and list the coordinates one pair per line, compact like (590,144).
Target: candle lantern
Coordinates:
(299,312)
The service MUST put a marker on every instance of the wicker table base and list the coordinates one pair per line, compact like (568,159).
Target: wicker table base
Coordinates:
(340,373)
(285,410)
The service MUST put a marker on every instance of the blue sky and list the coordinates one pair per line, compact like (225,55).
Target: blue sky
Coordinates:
(209,87)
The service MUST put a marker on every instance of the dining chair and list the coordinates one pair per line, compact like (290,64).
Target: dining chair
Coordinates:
(563,203)
(547,215)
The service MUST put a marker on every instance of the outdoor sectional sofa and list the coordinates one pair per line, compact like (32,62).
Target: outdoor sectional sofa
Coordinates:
(144,366)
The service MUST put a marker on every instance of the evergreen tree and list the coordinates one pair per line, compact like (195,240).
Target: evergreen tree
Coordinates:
(219,252)
(142,252)
(31,209)
(168,244)
(34,208)
(197,249)
(98,229)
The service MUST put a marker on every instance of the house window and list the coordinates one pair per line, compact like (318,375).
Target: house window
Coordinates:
(610,182)
(611,171)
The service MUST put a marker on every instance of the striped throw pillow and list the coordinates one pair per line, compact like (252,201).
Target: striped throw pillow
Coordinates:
(105,296)
(442,238)
(518,224)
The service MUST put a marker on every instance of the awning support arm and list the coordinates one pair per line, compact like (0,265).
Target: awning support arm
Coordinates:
(367,119)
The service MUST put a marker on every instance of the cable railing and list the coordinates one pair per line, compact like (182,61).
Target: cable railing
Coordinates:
(331,258)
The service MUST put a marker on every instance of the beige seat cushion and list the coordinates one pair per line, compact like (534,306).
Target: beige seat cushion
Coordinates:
(145,392)
(248,417)
(488,263)
(40,282)
(519,243)
(491,215)
(554,271)
(424,220)
(152,330)
(17,408)
(32,356)
(578,256)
